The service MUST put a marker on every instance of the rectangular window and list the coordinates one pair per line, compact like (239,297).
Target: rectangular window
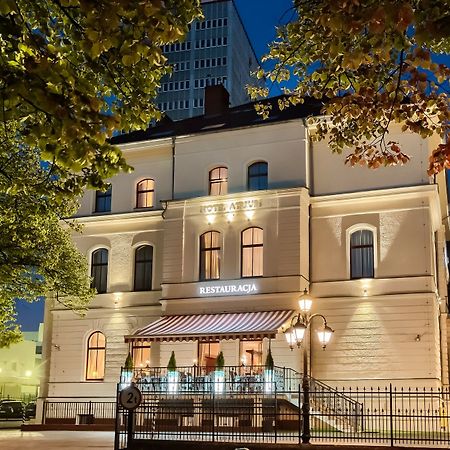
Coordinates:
(207,355)
(210,256)
(361,254)
(250,353)
(140,352)
(103,200)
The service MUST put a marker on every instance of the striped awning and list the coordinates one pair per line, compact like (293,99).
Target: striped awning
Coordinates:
(204,327)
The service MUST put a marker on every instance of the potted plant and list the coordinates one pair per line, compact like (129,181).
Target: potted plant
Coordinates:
(268,373)
(172,375)
(127,370)
(219,374)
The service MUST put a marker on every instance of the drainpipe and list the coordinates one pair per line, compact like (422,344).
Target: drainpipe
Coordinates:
(173,166)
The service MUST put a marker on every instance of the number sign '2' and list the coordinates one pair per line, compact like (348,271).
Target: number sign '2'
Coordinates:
(130,397)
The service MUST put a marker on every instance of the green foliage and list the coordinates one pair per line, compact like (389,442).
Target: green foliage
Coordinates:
(128,362)
(172,364)
(269,360)
(72,72)
(220,361)
(371,62)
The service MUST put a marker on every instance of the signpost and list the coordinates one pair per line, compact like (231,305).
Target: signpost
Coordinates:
(130,398)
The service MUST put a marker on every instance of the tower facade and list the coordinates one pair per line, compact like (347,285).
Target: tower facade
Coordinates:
(217,50)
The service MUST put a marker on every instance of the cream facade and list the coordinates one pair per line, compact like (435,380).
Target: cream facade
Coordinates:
(389,327)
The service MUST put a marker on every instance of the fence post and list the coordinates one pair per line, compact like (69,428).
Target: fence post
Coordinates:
(44,411)
(276,415)
(117,423)
(130,428)
(213,413)
(300,416)
(390,415)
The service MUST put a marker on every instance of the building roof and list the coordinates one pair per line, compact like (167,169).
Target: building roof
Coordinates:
(236,117)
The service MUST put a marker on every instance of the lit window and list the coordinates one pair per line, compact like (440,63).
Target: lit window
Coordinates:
(207,355)
(99,270)
(361,254)
(257,176)
(103,200)
(145,192)
(218,181)
(210,256)
(140,352)
(252,252)
(143,267)
(250,353)
(96,350)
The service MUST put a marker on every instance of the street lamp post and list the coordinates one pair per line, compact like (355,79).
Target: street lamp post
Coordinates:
(295,335)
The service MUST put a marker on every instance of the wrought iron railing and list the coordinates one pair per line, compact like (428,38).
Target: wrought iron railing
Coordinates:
(79,411)
(382,416)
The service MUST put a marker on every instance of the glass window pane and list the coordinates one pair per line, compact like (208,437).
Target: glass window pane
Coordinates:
(145,193)
(258,176)
(207,354)
(361,254)
(99,270)
(252,252)
(140,352)
(218,181)
(103,200)
(250,353)
(143,268)
(210,255)
(96,353)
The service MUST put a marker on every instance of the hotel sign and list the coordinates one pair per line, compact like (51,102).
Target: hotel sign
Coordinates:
(230,207)
(228,289)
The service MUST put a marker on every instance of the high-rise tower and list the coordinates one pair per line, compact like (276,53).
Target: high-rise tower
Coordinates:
(217,50)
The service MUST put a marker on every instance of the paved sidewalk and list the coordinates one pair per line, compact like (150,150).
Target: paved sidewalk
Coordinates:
(55,440)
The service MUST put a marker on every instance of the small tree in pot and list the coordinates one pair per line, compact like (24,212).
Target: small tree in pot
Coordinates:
(269,384)
(127,370)
(219,374)
(172,375)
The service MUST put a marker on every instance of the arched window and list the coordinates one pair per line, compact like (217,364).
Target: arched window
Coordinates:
(143,267)
(140,351)
(361,254)
(145,193)
(210,256)
(103,200)
(218,181)
(96,351)
(252,252)
(257,176)
(99,270)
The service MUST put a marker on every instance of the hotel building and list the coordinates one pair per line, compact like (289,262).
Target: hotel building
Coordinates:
(224,222)
(217,50)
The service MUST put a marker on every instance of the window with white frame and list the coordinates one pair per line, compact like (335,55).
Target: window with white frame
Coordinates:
(252,252)
(145,193)
(210,256)
(99,270)
(362,254)
(218,181)
(143,268)
(95,355)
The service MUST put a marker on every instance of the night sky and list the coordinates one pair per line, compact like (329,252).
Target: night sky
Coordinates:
(260,18)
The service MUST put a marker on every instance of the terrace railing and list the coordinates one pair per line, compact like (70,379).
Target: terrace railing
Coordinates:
(366,416)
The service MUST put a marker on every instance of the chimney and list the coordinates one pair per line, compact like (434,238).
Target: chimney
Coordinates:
(217,100)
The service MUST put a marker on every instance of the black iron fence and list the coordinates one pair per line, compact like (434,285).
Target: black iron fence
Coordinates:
(99,411)
(383,416)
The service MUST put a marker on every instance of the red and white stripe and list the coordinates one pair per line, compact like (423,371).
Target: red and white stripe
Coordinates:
(247,325)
